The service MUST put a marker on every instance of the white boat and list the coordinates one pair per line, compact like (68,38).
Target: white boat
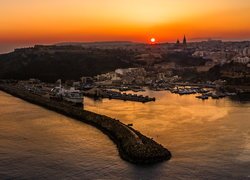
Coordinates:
(73,96)
(230,94)
(70,95)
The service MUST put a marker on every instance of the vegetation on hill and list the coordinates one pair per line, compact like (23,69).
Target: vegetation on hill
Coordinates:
(52,65)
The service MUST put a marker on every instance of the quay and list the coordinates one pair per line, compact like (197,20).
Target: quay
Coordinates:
(202,85)
(132,145)
(117,95)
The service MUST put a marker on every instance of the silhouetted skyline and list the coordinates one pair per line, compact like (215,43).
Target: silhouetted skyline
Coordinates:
(29,22)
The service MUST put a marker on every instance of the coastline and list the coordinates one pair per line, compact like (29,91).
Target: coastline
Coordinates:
(133,146)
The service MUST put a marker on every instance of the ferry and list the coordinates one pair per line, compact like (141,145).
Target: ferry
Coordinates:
(69,95)
(73,96)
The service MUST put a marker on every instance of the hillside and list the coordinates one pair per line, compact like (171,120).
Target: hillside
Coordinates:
(50,63)
(184,59)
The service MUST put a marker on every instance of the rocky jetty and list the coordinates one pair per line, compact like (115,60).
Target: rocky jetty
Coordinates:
(132,145)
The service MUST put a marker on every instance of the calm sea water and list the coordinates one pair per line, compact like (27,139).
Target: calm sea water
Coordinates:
(208,140)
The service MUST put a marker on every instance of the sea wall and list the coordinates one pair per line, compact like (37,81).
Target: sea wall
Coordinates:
(132,145)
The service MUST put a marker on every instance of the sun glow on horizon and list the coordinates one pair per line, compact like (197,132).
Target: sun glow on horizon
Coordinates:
(152,40)
(46,21)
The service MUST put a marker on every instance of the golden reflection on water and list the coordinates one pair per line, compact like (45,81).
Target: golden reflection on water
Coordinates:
(168,110)
(182,123)
(42,131)
(206,138)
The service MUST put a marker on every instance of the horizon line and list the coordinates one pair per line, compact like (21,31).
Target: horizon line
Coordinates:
(191,40)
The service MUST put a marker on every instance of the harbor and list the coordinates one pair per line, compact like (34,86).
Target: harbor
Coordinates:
(132,145)
(75,92)
(221,126)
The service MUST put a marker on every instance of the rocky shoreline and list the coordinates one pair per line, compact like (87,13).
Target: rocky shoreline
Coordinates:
(132,145)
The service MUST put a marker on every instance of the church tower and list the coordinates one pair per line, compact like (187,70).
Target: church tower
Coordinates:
(184,40)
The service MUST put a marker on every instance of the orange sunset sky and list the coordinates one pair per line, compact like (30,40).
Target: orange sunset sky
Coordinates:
(27,22)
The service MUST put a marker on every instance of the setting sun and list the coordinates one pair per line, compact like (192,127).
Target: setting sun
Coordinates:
(152,40)
(115,20)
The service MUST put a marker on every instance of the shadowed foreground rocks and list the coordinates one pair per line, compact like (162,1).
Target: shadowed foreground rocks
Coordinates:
(132,145)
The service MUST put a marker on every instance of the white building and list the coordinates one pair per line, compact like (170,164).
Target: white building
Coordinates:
(131,71)
(242,60)
(246,51)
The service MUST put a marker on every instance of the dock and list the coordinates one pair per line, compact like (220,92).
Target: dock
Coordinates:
(118,95)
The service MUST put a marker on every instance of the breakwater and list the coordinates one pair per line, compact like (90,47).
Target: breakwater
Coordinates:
(132,145)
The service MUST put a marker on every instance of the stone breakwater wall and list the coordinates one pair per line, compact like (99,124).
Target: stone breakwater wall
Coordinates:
(132,145)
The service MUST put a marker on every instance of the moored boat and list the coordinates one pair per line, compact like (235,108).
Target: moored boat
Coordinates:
(69,95)
(203,97)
